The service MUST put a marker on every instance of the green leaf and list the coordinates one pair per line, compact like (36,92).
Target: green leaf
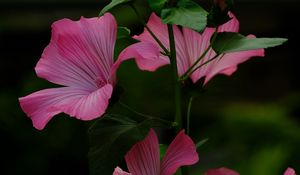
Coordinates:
(111,137)
(157,5)
(112,4)
(187,14)
(123,32)
(227,42)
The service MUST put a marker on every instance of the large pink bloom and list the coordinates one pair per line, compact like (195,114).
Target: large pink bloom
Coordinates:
(226,171)
(80,58)
(144,159)
(190,45)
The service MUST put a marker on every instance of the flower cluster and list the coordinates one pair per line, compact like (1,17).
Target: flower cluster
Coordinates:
(80,58)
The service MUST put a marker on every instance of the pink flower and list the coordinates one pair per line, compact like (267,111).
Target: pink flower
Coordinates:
(190,45)
(144,159)
(80,58)
(290,171)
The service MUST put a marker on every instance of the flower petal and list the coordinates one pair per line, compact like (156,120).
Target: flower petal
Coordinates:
(79,52)
(221,171)
(119,171)
(41,106)
(197,44)
(161,32)
(228,63)
(290,171)
(158,28)
(232,25)
(143,158)
(181,152)
(146,55)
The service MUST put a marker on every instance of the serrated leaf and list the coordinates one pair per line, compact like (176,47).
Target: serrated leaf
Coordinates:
(227,42)
(123,32)
(187,14)
(112,4)
(111,137)
(157,5)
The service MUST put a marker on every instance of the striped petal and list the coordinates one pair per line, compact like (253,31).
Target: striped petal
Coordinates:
(227,64)
(80,52)
(143,158)
(181,152)
(146,55)
(41,106)
(161,32)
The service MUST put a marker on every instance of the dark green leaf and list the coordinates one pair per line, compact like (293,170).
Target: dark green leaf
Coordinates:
(187,14)
(157,5)
(227,42)
(112,4)
(123,32)
(112,137)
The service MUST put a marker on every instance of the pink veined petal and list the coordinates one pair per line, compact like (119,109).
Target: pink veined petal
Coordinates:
(290,171)
(146,55)
(80,52)
(197,44)
(41,106)
(227,64)
(232,25)
(181,152)
(161,32)
(221,171)
(119,171)
(158,28)
(143,158)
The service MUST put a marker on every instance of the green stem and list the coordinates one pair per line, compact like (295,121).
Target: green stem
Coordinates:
(149,30)
(188,115)
(176,85)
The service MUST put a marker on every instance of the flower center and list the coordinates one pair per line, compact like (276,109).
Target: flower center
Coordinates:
(100,82)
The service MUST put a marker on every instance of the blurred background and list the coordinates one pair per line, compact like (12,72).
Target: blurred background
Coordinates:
(252,119)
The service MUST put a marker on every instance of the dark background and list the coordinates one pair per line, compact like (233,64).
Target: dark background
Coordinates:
(252,119)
